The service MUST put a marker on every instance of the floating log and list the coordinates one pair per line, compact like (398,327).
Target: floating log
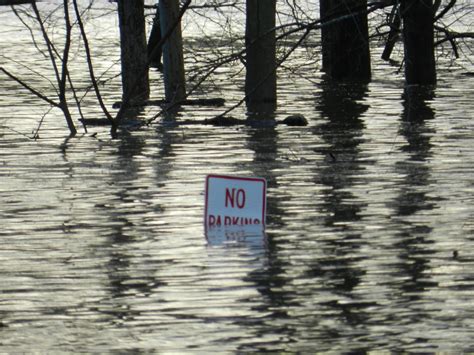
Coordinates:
(187,102)
(218,121)
(15,2)
(95,121)
(225,121)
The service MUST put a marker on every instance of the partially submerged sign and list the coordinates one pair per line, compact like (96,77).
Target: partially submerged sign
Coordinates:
(235,201)
(252,236)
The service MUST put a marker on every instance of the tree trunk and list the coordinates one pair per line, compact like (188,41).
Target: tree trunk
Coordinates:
(260,81)
(135,85)
(394,33)
(345,39)
(324,13)
(173,61)
(418,35)
(154,51)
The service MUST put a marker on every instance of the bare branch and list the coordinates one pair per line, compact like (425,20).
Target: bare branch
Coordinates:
(29,88)
(90,65)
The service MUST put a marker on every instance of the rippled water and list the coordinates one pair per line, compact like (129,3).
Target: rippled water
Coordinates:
(103,247)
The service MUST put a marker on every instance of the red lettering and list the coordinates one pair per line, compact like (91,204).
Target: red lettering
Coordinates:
(240,198)
(232,220)
(232,198)
(229,198)
(212,220)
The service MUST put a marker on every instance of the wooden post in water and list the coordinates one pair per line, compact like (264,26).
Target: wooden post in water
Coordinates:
(345,40)
(418,35)
(173,61)
(260,80)
(135,85)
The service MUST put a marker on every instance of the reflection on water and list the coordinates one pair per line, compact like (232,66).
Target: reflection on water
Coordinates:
(414,245)
(368,243)
(341,107)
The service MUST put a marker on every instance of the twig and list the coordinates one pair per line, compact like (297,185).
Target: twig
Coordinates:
(36,132)
(259,84)
(29,88)
(163,39)
(64,72)
(90,66)
(445,10)
(49,44)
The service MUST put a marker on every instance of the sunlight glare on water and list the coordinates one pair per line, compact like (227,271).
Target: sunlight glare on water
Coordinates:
(369,238)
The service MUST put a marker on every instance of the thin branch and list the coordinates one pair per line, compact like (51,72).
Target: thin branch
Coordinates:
(90,65)
(36,132)
(280,62)
(64,71)
(445,10)
(49,44)
(170,30)
(306,27)
(33,39)
(29,88)
(163,39)
(78,102)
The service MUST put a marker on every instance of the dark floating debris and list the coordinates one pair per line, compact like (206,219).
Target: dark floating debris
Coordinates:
(295,120)
(95,121)
(15,2)
(224,121)
(217,102)
(219,121)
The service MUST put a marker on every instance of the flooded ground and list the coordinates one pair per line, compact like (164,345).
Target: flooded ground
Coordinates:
(370,226)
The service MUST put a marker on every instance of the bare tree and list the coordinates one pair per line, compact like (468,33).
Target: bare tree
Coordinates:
(221,43)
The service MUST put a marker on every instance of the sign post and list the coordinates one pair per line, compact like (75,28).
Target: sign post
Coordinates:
(235,202)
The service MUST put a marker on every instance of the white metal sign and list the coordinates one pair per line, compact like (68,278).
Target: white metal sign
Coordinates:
(235,201)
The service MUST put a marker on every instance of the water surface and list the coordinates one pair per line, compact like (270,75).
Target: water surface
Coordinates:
(103,245)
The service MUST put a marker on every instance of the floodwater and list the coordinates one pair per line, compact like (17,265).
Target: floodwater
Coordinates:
(369,243)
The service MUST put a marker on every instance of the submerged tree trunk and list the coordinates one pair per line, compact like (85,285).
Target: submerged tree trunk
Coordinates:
(345,39)
(135,85)
(173,61)
(418,35)
(394,33)
(154,47)
(260,81)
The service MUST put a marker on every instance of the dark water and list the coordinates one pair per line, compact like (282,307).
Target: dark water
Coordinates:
(103,247)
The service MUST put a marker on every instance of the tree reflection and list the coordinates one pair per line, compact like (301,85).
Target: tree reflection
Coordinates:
(126,268)
(341,105)
(271,279)
(412,198)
